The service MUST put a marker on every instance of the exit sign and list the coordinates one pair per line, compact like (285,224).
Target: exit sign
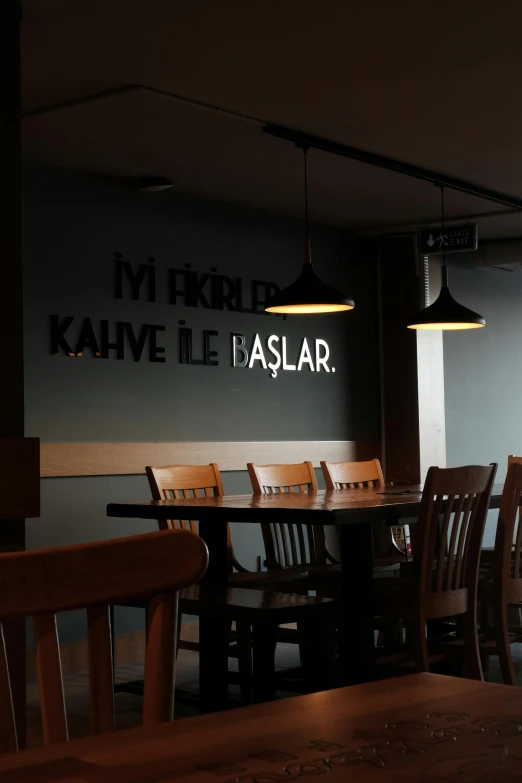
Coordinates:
(453,239)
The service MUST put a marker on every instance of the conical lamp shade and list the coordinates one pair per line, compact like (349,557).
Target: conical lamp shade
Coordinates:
(446,313)
(308,295)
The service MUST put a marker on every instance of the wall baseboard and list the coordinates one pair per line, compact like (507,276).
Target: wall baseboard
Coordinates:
(129,649)
(124,459)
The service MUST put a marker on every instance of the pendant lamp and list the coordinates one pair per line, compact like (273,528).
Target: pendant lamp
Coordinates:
(308,294)
(445,312)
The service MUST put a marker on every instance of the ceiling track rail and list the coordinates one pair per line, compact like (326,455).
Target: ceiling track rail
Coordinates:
(382,162)
(299,138)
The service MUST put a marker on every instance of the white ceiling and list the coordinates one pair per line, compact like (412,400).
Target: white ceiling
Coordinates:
(434,83)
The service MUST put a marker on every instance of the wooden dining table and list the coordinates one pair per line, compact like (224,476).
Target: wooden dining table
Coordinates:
(417,729)
(353,511)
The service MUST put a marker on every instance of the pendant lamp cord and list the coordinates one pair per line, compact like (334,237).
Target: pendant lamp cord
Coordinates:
(308,255)
(444,269)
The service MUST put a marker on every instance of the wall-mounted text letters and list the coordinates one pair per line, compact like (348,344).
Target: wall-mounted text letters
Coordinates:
(103,339)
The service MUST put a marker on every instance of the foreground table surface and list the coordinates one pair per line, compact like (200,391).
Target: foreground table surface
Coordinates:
(419,728)
(326,507)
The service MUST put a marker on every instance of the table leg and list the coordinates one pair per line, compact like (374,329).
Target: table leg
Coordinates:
(356,633)
(213,634)
(264,640)
(317,652)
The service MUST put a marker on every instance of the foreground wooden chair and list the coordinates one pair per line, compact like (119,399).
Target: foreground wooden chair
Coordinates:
(446,567)
(92,576)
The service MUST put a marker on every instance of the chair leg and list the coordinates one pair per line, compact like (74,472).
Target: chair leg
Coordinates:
(484,601)
(264,640)
(500,621)
(484,604)
(244,660)
(111,621)
(417,635)
(471,645)
(178,633)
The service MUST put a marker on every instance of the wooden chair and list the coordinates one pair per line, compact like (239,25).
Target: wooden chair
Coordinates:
(260,613)
(503,584)
(447,542)
(92,576)
(288,545)
(358,475)
(189,481)
(185,481)
(352,475)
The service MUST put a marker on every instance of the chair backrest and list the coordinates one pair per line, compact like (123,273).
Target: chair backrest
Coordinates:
(184,481)
(268,479)
(448,539)
(189,481)
(352,475)
(42,582)
(288,545)
(508,540)
(358,475)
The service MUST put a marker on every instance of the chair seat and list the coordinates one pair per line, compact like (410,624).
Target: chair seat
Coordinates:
(263,580)
(254,606)
(393,598)
(233,603)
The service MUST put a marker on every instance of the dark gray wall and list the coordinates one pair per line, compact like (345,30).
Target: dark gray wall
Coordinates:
(73,224)
(483,374)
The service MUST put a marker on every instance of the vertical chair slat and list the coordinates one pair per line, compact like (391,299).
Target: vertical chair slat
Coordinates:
(312,545)
(160,658)
(518,545)
(101,671)
(292,529)
(467,516)
(453,538)
(272,543)
(279,545)
(434,511)
(467,543)
(284,534)
(8,738)
(444,554)
(49,668)
(302,558)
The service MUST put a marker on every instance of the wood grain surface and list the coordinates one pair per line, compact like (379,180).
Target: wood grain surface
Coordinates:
(422,728)
(117,459)
(323,507)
